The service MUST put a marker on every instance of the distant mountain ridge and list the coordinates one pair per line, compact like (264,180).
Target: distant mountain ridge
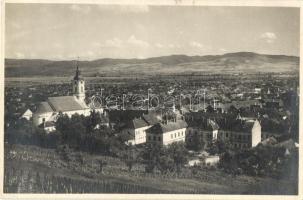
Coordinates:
(240,62)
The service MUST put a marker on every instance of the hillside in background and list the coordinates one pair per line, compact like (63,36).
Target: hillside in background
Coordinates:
(241,62)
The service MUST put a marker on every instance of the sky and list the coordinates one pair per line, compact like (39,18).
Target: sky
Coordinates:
(68,31)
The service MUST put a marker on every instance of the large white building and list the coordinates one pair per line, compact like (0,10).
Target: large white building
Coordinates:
(247,135)
(137,127)
(166,133)
(48,111)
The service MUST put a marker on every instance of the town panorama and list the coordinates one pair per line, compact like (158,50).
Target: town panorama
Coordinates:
(188,121)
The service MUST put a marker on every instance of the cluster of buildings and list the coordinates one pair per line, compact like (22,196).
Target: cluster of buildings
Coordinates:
(145,126)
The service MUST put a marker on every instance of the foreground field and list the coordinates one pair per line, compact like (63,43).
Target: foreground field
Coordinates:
(30,169)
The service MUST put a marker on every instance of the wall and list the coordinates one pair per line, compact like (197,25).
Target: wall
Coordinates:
(256,134)
(38,118)
(174,136)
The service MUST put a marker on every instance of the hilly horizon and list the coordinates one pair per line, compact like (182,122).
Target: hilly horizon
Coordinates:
(240,62)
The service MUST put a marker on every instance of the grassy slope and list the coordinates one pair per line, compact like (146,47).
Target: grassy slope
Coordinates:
(209,182)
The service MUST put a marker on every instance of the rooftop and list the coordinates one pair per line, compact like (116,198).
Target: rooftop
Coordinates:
(44,107)
(66,103)
(161,128)
(137,123)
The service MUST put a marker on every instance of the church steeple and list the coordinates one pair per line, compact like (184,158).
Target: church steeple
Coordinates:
(78,85)
(78,73)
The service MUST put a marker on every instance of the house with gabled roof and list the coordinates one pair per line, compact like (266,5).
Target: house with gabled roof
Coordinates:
(136,128)
(165,133)
(203,126)
(242,133)
(28,114)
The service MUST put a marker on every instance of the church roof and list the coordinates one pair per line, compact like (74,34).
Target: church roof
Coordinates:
(44,107)
(66,103)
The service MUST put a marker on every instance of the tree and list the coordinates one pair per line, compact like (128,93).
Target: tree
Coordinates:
(166,164)
(62,122)
(71,129)
(101,164)
(198,142)
(92,120)
(151,155)
(178,153)
(219,147)
(131,157)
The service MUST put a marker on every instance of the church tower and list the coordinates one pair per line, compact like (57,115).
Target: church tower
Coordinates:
(78,86)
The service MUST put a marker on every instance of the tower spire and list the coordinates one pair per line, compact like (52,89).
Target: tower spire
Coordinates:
(78,72)
(78,84)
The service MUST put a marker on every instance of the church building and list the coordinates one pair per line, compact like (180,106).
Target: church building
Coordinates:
(48,111)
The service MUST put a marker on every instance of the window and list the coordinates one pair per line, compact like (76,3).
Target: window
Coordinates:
(148,137)
(171,136)
(155,138)
(178,134)
(175,135)
(159,138)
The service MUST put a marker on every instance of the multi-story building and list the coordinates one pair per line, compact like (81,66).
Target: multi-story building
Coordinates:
(240,132)
(167,133)
(243,134)
(208,129)
(136,128)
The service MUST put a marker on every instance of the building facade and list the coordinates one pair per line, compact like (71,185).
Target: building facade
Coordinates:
(239,132)
(248,135)
(167,133)
(136,128)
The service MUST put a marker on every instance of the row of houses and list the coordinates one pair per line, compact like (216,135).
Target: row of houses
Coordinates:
(240,132)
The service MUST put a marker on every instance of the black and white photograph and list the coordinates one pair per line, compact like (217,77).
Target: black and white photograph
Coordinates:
(150,99)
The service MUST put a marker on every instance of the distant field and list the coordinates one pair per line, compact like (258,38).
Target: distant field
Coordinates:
(32,169)
(45,80)
(240,62)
